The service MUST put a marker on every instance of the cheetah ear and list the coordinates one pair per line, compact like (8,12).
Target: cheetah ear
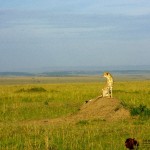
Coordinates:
(107,73)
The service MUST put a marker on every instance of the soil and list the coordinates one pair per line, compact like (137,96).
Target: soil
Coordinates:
(109,109)
(105,109)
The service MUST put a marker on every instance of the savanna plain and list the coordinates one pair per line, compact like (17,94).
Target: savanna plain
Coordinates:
(28,103)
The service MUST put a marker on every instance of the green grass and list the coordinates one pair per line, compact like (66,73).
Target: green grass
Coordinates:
(21,105)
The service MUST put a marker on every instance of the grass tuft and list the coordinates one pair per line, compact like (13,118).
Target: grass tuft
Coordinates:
(46,102)
(83,122)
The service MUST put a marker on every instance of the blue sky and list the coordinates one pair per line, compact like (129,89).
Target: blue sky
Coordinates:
(51,33)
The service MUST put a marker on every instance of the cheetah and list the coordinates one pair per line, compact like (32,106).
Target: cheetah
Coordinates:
(107,90)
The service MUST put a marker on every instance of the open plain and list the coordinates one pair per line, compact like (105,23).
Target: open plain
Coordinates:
(50,113)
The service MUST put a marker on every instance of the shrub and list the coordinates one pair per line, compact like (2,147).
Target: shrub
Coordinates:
(141,110)
(34,89)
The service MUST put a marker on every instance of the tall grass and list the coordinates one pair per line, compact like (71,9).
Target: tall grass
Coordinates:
(20,106)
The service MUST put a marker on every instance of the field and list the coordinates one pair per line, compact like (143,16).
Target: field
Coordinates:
(27,103)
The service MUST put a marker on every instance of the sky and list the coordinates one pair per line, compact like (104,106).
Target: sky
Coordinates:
(58,33)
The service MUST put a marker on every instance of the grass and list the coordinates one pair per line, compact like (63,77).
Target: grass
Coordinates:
(22,104)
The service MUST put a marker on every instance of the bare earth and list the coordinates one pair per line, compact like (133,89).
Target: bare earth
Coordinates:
(109,109)
(104,109)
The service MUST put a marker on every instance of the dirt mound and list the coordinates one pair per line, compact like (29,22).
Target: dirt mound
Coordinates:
(104,109)
(108,109)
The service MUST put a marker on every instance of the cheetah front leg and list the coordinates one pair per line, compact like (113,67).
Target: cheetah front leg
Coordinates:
(111,93)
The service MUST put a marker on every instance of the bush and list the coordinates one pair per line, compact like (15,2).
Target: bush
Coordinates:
(141,110)
(34,89)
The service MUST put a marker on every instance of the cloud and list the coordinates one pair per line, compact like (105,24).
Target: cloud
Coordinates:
(43,24)
(91,33)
